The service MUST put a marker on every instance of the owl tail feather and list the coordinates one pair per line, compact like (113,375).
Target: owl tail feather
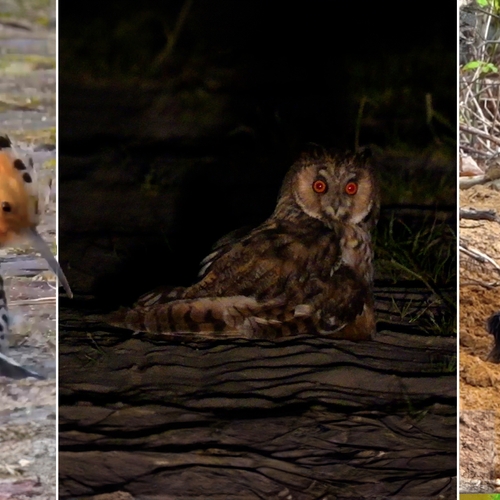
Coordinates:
(206,318)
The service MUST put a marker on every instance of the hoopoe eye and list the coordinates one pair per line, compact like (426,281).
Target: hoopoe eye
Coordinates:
(6,207)
(320,186)
(351,188)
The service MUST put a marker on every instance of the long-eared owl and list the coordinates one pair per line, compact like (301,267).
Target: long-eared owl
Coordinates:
(307,269)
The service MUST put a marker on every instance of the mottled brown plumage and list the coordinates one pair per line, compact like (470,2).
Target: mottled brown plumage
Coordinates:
(307,269)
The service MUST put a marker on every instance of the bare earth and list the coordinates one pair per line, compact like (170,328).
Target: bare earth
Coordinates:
(27,115)
(479,379)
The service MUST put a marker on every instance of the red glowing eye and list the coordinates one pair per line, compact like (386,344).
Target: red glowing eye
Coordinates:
(351,188)
(320,186)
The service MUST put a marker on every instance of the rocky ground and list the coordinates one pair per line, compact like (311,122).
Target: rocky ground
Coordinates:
(27,115)
(479,379)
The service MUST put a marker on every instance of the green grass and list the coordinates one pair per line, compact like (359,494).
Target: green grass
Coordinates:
(424,252)
(479,496)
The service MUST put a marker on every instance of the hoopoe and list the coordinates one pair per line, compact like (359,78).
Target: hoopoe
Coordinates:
(19,216)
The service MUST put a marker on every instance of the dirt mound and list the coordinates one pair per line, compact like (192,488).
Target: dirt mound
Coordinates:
(479,298)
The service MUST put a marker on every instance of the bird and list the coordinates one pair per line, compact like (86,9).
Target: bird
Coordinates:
(307,269)
(493,327)
(19,216)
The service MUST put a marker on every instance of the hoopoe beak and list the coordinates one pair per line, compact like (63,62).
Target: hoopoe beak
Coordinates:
(40,246)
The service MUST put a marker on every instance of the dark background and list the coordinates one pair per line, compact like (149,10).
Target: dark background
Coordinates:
(163,149)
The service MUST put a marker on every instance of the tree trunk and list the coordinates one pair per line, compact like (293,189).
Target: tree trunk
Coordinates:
(305,418)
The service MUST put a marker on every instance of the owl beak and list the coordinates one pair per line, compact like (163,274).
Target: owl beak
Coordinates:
(40,246)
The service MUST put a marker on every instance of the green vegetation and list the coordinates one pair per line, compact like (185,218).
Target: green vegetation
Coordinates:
(426,253)
(479,496)
(422,252)
(483,66)
(478,75)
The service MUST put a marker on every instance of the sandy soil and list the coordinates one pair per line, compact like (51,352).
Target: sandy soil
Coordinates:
(479,298)
(27,114)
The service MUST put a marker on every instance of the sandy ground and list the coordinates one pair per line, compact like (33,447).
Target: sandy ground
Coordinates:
(479,379)
(27,114)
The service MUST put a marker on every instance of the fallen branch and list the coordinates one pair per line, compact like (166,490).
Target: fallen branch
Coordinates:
(473,214)
(33,302)
(473,282)
(473,130)
(468,182)
(479,256)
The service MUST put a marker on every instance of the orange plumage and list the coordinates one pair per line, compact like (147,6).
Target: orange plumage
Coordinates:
(19,207)
(16,214)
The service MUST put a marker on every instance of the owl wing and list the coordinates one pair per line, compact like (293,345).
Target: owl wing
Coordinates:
(164,294)
(340,308)
(264,286)
(241,294)
(345,308)
(261,265)
(269,261)
(222,246)
(160,295)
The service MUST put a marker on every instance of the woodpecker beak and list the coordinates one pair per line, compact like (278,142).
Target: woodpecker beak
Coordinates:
(40,246)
